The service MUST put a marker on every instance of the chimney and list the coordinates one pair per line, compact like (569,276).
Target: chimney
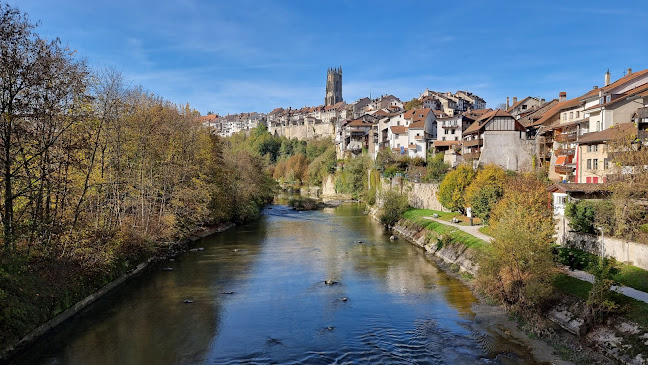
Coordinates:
(595,87)
(629,71)
(507,103)
(542,101)
(562,96)
(514,100)
(607,78)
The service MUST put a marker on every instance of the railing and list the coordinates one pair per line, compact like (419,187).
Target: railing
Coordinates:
(474,142)
(449,126)
(564,170)
(418,138)
(566,137)
(565,152)
(412,146)
(471,156)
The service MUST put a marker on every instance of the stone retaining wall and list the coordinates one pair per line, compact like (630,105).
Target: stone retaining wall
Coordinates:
(633,253)
(419,195)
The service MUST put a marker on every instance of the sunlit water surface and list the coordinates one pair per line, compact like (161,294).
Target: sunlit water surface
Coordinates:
(259,296)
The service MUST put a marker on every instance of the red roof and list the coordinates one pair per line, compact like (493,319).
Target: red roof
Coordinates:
(398,129)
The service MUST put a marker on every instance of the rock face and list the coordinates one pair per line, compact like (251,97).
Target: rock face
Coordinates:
(567,320)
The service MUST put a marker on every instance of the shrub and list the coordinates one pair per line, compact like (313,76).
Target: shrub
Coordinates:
(452,189)
(394,205)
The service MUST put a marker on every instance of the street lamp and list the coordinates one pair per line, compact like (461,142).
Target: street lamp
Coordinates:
(602,242)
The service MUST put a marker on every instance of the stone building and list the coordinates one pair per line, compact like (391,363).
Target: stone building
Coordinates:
(333,86)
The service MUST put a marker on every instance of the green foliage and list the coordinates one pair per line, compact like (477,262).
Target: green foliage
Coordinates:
(322,165)
(517,271)
(303,203)
(353,178)
(586,215)
(436,168)
(413,104)
(486,190)
(599,302)
(394,205)
(582,259)
(416,216)
(452,189)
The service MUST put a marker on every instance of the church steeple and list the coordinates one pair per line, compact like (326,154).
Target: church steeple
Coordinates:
(333,86)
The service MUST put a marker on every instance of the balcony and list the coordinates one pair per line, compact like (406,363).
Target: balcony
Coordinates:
(471,156)
(474,142)
(643,136)
(455,126)
(565,152)
(566,137)
(418,138)
(546,139)
(564,170)
(412,147)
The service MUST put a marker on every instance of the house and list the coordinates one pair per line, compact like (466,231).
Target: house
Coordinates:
(524,105)
(615,102)
(562,193)
(593,161)
(498,138)
(450,130)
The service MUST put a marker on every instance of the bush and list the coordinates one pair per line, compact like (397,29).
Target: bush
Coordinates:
(584,216)
(394,205)
(486,190)
(452,189)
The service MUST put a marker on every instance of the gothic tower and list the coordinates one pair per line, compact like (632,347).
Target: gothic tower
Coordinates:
(333,86)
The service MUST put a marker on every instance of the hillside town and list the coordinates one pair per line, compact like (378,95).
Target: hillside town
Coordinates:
(566,135)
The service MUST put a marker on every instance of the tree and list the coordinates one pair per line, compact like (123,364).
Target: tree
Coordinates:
(486,190)
(436,168)
(453,187)
(413,104)
(394,205)
(40,84)
(517,269)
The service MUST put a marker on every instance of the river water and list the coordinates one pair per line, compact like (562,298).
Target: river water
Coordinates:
(259,296)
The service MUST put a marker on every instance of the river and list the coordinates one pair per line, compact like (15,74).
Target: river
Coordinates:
(257,294)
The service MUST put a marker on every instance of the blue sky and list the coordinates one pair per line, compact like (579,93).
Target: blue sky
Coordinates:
(241,56)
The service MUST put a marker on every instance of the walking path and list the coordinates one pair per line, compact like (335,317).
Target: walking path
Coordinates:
(578,274)
(473,230)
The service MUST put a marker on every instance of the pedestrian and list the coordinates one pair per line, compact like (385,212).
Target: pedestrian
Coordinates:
(572,261)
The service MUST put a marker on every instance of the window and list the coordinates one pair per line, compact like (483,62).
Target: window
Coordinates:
(456,138)
(595,148)
(571,115)
(453,131)
(577,114)
(588,180)
(443,139)
(565,116)
(589,163)
(589,148)
(445,131)
(595,164)
(524,107)
(606,163)
(595,180)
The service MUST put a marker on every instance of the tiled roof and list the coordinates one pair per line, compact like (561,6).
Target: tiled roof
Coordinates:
(611,133)
(625,79)
(479,123)
(637,90)
(419,124)
(578,188)
(446,143)
(398,129)
(516,104)
(359,123)
(562,106)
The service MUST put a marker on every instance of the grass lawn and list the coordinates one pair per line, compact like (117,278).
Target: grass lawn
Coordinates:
(416,216)
(632,309)
(633,277)
(486,230)
(444,216)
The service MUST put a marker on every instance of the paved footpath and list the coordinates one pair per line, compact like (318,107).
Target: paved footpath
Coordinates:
(473,230)
(578,274)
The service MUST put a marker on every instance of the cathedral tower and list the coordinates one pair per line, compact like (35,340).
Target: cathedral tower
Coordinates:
(333,86)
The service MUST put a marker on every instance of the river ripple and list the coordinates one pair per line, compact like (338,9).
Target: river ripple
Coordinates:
(258,296)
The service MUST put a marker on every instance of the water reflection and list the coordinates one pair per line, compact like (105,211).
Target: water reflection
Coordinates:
(259,296)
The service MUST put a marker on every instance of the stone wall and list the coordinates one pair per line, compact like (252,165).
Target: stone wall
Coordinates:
(420,195)
(633,253)
(508,150)
(306,131)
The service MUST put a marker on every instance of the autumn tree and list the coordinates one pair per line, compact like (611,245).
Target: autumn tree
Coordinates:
(413,104)
(452,190)
(485,190)
(40,86)
(517,268)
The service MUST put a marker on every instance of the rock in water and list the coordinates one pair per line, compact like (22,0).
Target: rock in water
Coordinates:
(167,269)
(330,282)
(393,238)
(188,301)
(345,299)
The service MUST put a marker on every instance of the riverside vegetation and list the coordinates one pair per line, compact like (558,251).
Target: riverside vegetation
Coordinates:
(98,176)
